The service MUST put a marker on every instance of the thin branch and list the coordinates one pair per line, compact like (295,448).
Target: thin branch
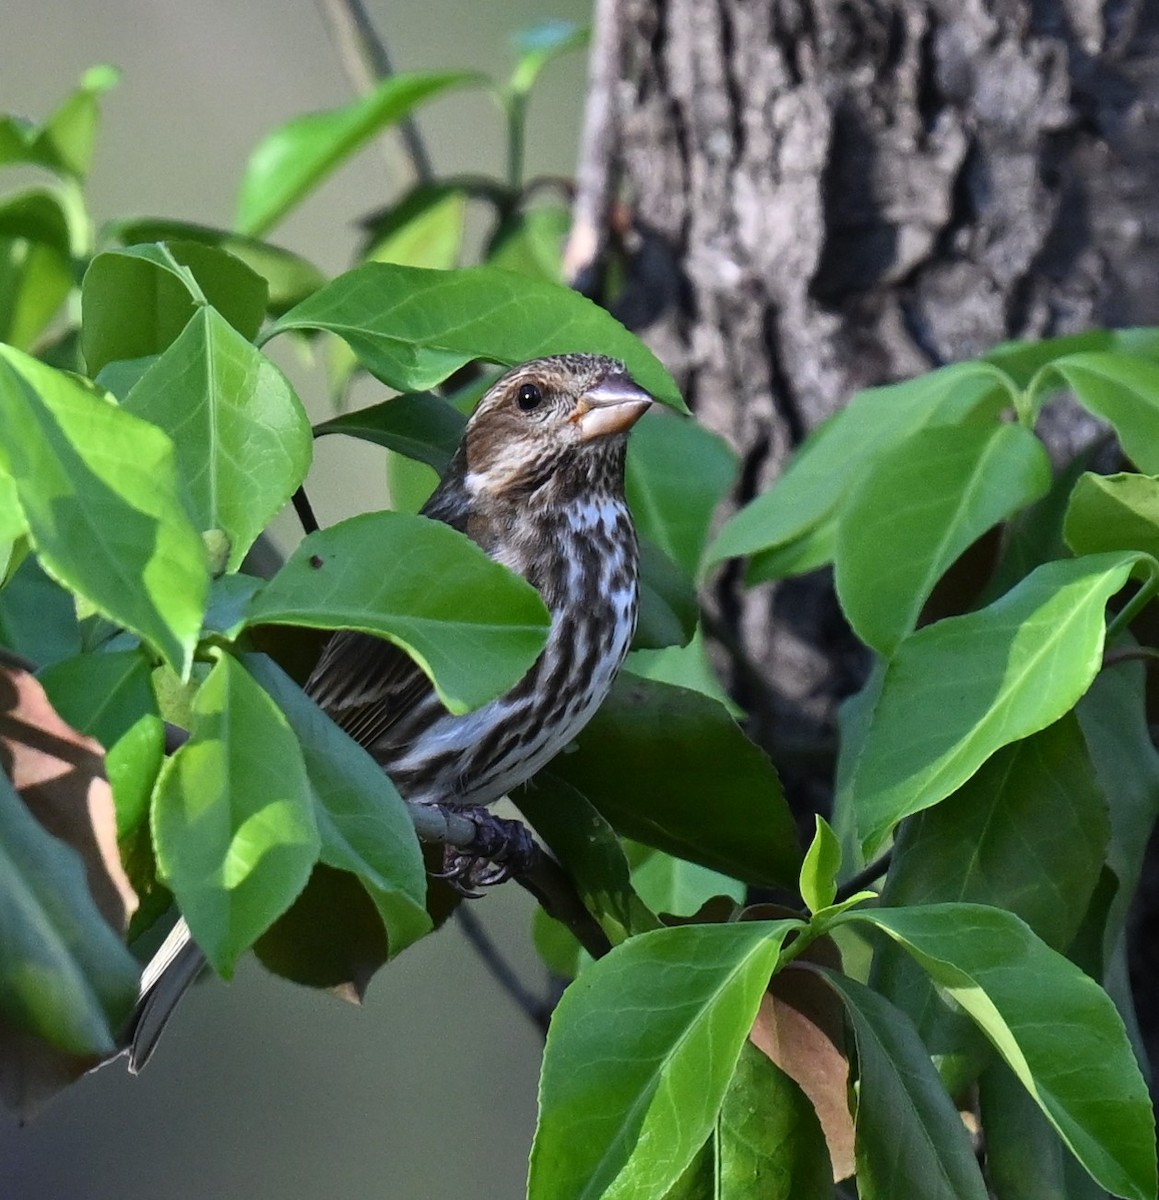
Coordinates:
(536,1009)
(367,63)
(598,145)
(305,511)
(1132,654)
(864,877)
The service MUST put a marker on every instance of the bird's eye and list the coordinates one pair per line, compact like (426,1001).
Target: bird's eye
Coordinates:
(529,397)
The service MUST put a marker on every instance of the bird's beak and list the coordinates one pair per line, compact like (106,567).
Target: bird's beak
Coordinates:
(613,405)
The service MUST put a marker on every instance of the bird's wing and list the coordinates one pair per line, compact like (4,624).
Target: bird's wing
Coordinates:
(366,684)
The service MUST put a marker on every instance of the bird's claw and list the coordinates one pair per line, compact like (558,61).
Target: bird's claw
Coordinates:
(500,850)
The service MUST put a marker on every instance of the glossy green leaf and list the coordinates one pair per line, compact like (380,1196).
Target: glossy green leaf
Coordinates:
(1124,391)
(669,609)
(676,886)
(557,946)
(1022,361)
(37,616)
(1113,512)
(414,328)
(362,821)
(1025,1158)
(677,474)
(289,277)
(64,143)
(685,666)
(99,489)
(12,523)
(425,230)
(1113,716)
(1055,1027)
(917,508)
(910,1140)
(992,677)
(1027,833)
(654,756)
(820,868)
(65,975)
(833,458)
(292,160)
(242,437)
(110,697)
(587,847)
(136,301)
(539,45)
(420,425)
(234,825)
(473,626)
(531,243)
(35,264)
(639,1056)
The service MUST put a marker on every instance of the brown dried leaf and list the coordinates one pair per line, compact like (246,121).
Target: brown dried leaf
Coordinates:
(60,776)
(801,1027)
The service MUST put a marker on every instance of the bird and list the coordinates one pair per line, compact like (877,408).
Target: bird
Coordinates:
(537,482)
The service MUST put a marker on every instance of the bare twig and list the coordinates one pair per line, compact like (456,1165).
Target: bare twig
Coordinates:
(598,144)
(305,511)
(535,1008)
(1130,654)
(367,63)
(864,877)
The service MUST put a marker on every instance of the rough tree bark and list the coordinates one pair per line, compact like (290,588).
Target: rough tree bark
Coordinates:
(828,194)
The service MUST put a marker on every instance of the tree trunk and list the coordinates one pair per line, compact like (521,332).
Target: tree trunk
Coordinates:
(831,195)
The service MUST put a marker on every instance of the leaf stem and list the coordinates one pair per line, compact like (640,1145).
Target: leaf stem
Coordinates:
(515,104)
(856,883)
(1134,606)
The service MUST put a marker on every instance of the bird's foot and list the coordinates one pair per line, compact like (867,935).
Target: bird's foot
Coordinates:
(500,850)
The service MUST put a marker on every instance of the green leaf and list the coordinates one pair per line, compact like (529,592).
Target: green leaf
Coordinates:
(234,826)
(639,1056)
(1124,391)
(1027,833)
(425,230)
(472,625)
(686,667)
(910,1140)
(289,277)
(292,160)
(539,45)
(1113,512)
(769,1144)
(65,975)
(676,886)
(99,489)
(110,697)
(414,328)
(1025,1158)
(64,143)
(669,609)
(654,756)
(1022,361)
(136,301)
(557,946)
(677,474)
(917,508)
(1055,1027)
(834,457)
(362,821)
(242,437)
(420,425)
(531,243)
(992,677)
(1113,716)
(36,273)
(37,616)
(587,847)
(820,868)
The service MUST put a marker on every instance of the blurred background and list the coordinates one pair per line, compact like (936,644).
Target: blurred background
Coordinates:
(261,1088)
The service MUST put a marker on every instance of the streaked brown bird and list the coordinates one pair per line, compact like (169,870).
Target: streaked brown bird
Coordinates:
(538,482)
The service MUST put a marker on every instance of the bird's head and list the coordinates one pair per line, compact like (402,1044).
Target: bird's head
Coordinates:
(562,418)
